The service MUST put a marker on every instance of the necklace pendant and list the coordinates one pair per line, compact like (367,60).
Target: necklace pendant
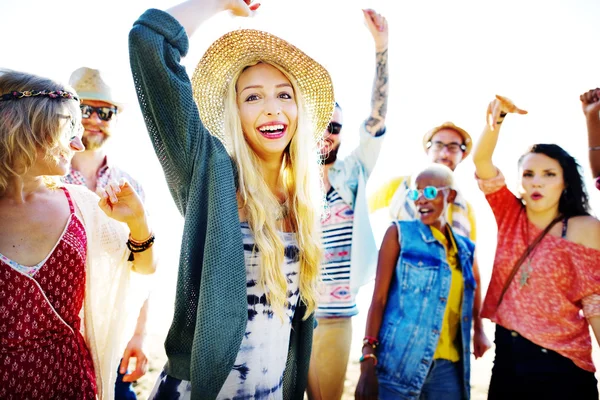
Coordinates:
(525,275)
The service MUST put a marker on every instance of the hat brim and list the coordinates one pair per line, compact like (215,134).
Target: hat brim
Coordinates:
(238,49)
(468,141)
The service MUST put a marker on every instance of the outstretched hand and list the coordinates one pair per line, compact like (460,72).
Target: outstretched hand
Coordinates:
(590,103)
(378,27)
(241,8)
(499,107)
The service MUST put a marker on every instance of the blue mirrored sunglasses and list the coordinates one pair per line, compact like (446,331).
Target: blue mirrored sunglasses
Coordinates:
(430,192)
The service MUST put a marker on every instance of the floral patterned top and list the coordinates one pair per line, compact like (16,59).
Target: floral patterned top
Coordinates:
(42,352)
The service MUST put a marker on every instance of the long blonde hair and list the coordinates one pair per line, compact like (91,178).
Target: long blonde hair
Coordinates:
(29,124)
(301,184)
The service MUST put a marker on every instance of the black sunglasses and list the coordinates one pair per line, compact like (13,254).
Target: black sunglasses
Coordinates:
(334,128)
(104,113)
(452,147)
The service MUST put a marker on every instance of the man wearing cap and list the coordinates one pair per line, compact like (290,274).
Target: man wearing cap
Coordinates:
(445,144)
(93,169)
(350,252)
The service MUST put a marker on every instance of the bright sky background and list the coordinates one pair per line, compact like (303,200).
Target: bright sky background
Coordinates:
(447,60)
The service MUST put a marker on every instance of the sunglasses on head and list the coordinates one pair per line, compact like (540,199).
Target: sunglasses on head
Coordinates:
(104,113)
(334,128)
(430,192)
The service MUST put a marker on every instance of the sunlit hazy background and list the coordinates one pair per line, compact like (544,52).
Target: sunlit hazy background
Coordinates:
(447,60)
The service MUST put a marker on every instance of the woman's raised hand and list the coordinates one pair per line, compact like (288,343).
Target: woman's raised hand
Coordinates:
(497,110)
(119,201)
(241,8)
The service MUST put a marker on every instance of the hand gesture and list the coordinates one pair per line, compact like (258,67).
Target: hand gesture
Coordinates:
(135,350)
(481,343)
(378,27)
(241,8)
(590,103)
(120,201)
(498,109)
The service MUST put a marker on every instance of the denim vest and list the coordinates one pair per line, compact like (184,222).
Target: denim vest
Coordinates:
(414,312)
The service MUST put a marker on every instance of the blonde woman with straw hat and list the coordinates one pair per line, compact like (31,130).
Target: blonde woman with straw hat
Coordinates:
(238,147)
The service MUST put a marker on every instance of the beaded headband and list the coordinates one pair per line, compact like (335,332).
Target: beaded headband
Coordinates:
(54,94)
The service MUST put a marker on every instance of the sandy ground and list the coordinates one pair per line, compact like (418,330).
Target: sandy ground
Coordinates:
(158,326)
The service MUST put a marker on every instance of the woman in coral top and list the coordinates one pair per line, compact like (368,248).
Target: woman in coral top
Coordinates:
(536,297)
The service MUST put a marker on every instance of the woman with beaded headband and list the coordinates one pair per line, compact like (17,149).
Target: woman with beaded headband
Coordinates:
(545,288)
(60,253)
(238,148)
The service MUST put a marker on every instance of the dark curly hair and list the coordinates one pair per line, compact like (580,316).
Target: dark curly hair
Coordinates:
(574,200)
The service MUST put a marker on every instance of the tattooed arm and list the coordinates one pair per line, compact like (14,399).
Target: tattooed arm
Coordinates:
(378,27)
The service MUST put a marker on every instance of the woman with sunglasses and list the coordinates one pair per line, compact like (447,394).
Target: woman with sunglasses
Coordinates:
(61,256)
(545,288)
(418,334)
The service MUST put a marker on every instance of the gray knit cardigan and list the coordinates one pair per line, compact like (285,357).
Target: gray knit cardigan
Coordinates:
(211,307)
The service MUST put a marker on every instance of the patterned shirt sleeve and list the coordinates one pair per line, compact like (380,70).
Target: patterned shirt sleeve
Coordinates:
(591,305)
(505,205)
(491,185)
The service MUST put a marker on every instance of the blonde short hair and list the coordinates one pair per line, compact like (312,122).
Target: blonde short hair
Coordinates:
(30,123)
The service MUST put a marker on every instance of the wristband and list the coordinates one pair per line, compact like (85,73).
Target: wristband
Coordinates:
(367,356)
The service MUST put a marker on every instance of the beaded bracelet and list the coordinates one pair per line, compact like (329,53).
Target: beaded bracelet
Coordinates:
(137,247)
(366,356)
(370,341)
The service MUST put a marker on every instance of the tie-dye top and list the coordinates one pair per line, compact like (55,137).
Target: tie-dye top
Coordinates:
(259,365)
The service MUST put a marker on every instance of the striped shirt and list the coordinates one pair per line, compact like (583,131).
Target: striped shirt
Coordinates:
(336,298)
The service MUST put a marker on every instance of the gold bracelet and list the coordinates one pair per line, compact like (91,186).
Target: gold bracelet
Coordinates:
(366,356)
(140,242)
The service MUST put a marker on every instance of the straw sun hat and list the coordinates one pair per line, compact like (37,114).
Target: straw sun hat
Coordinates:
(90,84)
(237,49)
(449,125)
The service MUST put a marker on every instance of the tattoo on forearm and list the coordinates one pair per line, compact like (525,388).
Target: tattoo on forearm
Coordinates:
(379,98)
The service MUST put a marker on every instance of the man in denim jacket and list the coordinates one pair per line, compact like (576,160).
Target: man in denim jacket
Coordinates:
(349,247)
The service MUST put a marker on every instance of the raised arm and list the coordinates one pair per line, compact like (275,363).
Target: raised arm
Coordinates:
(157,42)
(120,201)
(590,102)
(484,148)
(367,152)
(378,27)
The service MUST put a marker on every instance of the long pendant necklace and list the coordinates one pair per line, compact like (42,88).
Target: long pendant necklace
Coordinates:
(526,272)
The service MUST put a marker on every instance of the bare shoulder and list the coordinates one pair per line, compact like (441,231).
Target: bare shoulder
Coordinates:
(585,230)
